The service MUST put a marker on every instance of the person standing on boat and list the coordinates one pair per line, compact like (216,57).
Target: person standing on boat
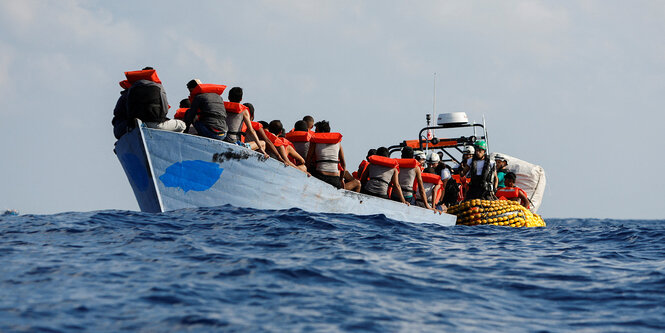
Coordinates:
(466,154)
(482,172)
(207,112)
(380,175)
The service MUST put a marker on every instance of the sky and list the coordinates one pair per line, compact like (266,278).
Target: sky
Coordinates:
(577,87)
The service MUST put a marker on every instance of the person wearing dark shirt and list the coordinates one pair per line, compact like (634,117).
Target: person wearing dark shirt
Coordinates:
(207,113)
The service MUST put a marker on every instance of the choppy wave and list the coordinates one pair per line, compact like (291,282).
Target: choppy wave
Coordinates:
(232,269)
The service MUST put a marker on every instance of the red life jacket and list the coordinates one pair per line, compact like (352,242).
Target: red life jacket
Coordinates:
(361,169)
(148,74)
(205,88)
(298,136)
(509,193)
(256,126)
(124,84)
(327,138)
(234,107)
(384,161)
(180,113)
(273,138)
(431,178)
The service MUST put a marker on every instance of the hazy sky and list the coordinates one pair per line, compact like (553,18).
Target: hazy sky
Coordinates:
(577,87)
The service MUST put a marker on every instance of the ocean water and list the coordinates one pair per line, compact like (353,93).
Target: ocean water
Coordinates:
(231,269)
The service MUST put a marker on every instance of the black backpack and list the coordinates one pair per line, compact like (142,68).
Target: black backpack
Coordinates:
(145,103)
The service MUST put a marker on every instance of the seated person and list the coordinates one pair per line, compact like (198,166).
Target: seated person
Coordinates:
(146,100)
(512,192)
(207,112)
(239,123)
(325,156)
(380,175)
(286,148)
(119,121)
(264,140)
(309,120)
(410,174)
(501,169)
(363,164)
(300,137)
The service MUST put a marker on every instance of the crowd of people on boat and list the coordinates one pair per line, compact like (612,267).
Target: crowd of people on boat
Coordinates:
(417,178)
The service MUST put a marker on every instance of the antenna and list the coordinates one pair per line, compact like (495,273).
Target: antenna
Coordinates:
(434,96)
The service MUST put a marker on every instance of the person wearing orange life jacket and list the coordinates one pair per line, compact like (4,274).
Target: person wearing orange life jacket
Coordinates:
(237,119)
(309,120)
(300,137)
(512,192)
(207,112)
(409,177)
(325,156)
(380,175)
(146,100)
(275,127)
(363,164)
(258,128)
(119,121)
(182,109)
(433,191)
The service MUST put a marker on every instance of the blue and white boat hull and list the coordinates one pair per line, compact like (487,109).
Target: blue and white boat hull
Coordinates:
(169,171)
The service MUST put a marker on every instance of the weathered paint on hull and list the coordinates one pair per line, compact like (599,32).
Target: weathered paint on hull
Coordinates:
(170,171)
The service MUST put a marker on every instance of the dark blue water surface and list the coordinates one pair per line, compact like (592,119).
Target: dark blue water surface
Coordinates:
(231,269)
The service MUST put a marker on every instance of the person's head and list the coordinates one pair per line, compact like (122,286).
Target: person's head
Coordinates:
(264,124)
(501,161)
(509,179)
(481,147)
(275,127)
(147,68)
(420,156)
(407,152)
(433,159)
(250,106)
(322,126)
(235,95)
(383,151)
(371,152)
(300,125)
(193,83)
(309,120)
(184,103)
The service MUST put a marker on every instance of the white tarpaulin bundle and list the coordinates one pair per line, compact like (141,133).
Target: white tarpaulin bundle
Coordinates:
(530,178)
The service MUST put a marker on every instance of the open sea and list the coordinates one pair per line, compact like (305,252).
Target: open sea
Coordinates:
(245,270)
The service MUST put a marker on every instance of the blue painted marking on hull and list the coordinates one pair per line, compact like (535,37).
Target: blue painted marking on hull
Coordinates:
(193,175)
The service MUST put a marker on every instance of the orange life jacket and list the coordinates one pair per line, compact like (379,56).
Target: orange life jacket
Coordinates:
(205,88)
(273,138)
(384,161)
(327,138)
(148,74)
(124,84)
(431,178)
(234,107)
(361,169)
(180,113)
(298,136)
(509,193)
